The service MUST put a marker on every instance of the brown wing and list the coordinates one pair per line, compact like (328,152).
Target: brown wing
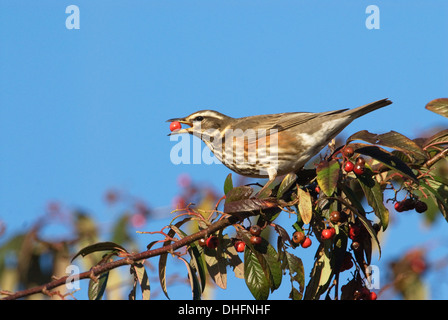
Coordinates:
(280,121)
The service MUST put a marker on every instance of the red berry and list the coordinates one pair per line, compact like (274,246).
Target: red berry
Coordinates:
(335,217)
(255,230)
(298,237)
(359,169)
(365,293)
(347,263)
(328,233)
(361,161)
(239,246)
(398,206)
(355,245)
(348,166)
(408,204)
(372,296)
(317,189)
(255,240)
(348,151)
(212,242)
(306,243)
(354,231)
(202,242)
(420,206)
(175,125)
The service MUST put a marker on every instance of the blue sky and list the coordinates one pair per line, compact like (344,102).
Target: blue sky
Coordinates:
(84,110)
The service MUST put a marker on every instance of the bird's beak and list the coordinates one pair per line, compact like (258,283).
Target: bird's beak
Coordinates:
(183,121)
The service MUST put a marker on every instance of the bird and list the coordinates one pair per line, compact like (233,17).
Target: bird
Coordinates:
(270,145)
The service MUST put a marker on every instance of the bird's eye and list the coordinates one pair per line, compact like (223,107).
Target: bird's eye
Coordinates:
(198,118)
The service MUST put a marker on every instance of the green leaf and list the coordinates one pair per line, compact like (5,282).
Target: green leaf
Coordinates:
(387,159)
(233,258)
(371,231)
(216,265)
(304,206)
(100,246)
(164,256)
(97,288)
(296,272)
(374,196)
(198,262)
(439,137)
(439,106)
(194,283)
(320,275)
(440,192)
(143,280)
(238,193)
(254,276)
(327,176)
(247,205)
(228,184)
(286,184)
(393,140)
(268,259)
(162,273)
(350,194)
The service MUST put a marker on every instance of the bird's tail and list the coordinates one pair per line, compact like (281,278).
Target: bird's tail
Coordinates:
(362,110)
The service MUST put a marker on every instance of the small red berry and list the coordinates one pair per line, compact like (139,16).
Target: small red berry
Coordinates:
(372,296)
(239,246)
(255,230)
(360,161)
(328,233)
(408,204)
(175,125)
(354,231)
(202,242)
(359,169)
(317,189)
(355,245)
(298,237)
(348,151)
(347,263)
(255,240)
(420,206)
(306,243)
(335,217)
(349,166)
(398,206)
(365,293)
(212,242)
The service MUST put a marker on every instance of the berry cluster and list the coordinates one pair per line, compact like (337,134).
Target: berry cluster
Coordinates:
(365,294)
(411,204)
(358,167)
(299,238)
(255,231)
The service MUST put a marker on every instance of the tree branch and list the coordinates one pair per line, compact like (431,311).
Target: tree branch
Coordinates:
(133,258)
(436,158)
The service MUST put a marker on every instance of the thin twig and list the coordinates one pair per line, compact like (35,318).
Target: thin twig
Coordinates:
(131,259)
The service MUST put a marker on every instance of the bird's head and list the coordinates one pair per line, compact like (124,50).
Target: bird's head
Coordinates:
(202,123)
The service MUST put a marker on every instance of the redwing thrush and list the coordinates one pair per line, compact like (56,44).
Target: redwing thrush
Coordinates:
(266,146)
